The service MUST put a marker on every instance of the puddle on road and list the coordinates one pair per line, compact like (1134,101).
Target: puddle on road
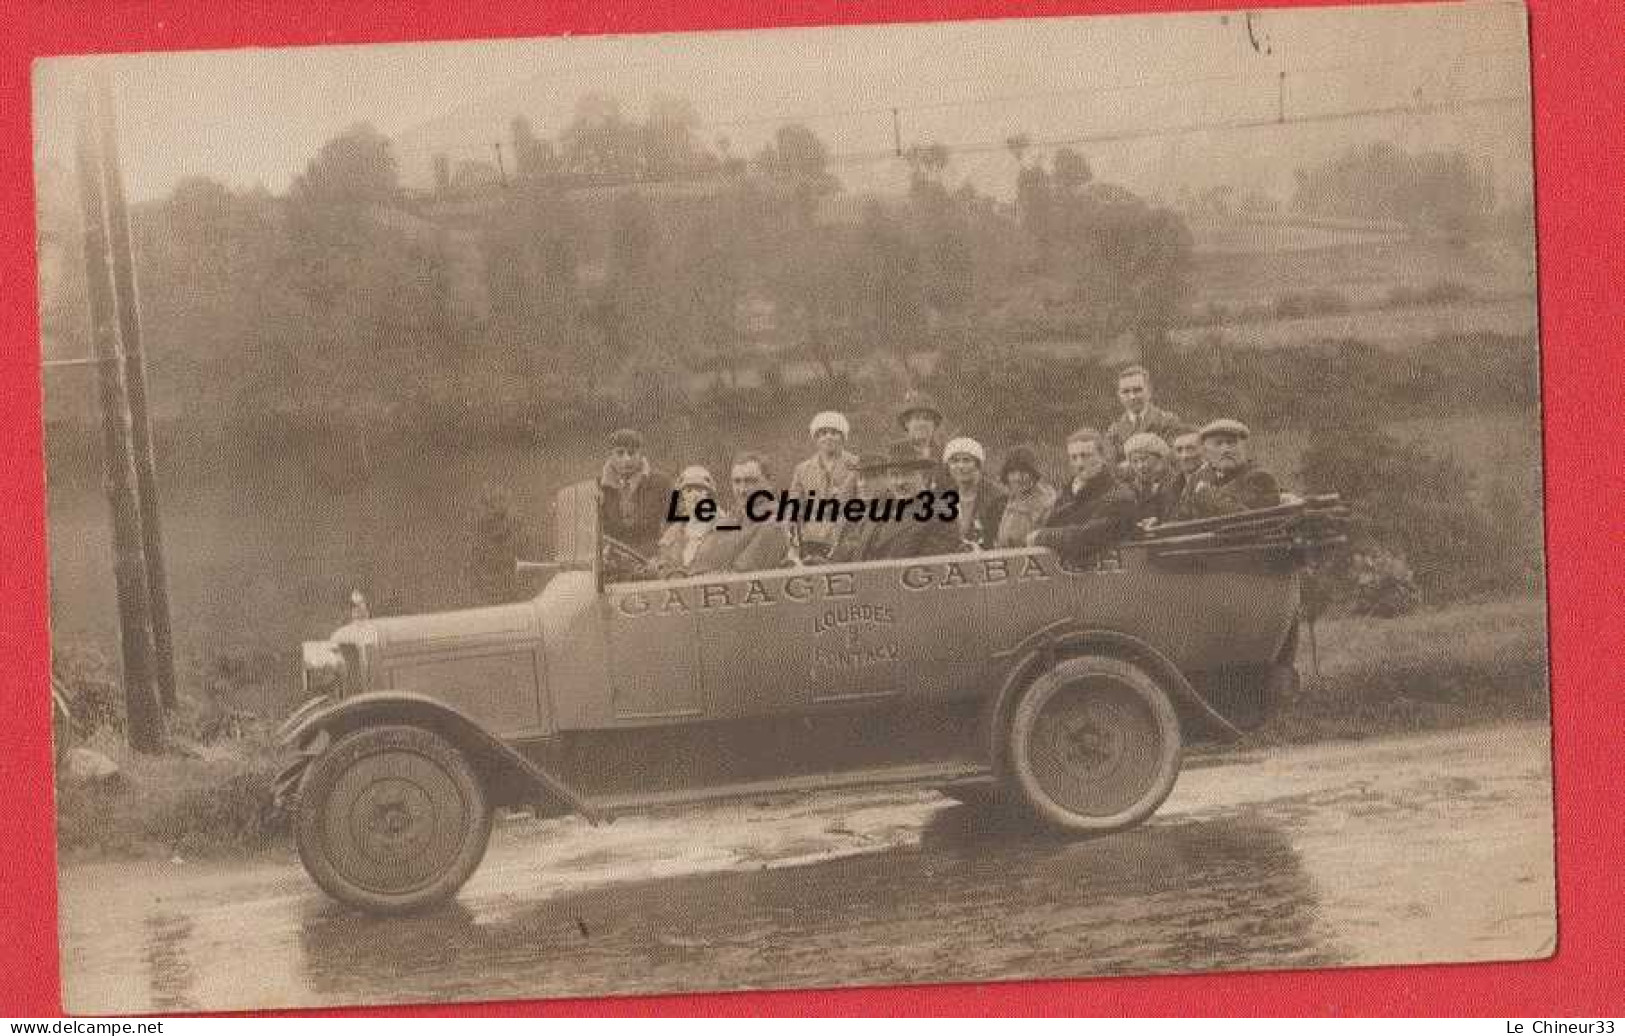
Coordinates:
(1364,861)
(964,904)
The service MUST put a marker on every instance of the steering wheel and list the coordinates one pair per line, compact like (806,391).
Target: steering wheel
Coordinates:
(618,556)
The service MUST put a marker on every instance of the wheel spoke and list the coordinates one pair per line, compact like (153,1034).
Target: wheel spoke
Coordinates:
(1095,747)
(394,822)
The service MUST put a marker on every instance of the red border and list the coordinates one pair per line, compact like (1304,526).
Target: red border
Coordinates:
(1578,50)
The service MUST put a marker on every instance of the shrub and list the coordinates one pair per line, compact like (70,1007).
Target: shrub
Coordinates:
(1413,506)
(90,686)
(1383,584)
(236,812)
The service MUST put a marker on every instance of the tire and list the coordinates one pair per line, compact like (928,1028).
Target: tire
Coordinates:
(1093,746)
(392,820)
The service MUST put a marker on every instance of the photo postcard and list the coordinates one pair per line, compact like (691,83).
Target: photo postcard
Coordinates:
(794,508)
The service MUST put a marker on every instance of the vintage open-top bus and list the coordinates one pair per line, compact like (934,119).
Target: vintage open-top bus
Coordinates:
(998,676)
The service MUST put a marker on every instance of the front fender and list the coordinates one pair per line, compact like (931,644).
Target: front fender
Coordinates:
(1039,651)
(514,778)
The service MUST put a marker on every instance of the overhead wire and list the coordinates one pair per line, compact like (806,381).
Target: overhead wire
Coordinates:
(1281,81)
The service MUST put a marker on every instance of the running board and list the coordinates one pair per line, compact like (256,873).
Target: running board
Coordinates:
(886,776)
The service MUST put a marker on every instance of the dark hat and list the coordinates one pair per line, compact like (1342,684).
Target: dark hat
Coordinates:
(627,438)
(871,463)
(915,401)
(1020,458)
(902,456)
(1224,426)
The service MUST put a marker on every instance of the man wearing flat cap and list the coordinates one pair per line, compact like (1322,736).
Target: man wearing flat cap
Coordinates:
(882,534)
(1232,481)
(920,419)
(831,472)
(871,485)
(632,502)
(1095,511)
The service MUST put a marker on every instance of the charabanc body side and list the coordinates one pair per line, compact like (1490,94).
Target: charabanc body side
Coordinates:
(1067,692)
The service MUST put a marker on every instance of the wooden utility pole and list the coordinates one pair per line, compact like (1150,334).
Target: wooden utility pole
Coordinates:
(135,384)
(143,720)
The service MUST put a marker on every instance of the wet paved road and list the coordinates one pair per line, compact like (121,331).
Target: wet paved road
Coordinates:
(1433,848)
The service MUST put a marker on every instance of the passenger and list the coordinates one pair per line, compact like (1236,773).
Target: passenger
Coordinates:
(886,535)
(921,421)
(1139,413)
(1232,482)
(981,503)
(1028,499)
(632,503)
(1187,447)
(743,545)
(831,472)
(679,553)
(1095,510)
(871,485)
(1188,467)
(1155,486)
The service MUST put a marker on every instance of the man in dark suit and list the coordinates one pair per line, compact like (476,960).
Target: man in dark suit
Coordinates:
(1139,413)
(1231,481)
(893,528)
(1095,511)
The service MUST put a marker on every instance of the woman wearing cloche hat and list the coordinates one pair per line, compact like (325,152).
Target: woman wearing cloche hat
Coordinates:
(681,541)
(832,471)
(1028,498)
(981,504)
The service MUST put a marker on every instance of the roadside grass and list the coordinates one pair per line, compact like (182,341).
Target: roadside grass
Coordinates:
(212,800)
(1474,663)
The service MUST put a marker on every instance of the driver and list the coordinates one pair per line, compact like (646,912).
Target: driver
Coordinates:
(632,500)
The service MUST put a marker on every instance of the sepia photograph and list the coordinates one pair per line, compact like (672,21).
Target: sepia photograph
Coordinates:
(794,508)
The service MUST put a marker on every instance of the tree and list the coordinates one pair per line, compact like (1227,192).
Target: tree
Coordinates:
(599,141)
(533,157)
(889,301)
(670,147)
(796,165)
(1071,172)
(1431,191)
(1108,260)
(355,168)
